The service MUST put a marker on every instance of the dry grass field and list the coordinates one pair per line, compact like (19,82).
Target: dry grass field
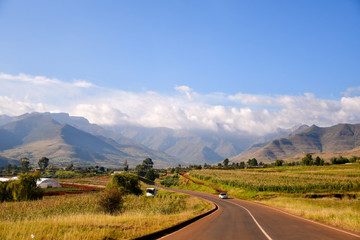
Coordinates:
(79,217)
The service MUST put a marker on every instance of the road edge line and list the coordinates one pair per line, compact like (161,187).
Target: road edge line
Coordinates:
(305,219)
(174,228)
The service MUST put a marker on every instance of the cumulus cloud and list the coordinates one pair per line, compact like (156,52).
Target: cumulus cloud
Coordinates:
(243,113)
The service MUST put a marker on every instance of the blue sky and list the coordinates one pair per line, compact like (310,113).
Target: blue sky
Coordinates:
(257,47)
(212,52)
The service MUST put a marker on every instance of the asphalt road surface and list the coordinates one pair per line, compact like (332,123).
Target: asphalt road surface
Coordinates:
(238,219)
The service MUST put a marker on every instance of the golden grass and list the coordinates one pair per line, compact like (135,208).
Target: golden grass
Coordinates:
(91,226)
(77,217)
(341,213)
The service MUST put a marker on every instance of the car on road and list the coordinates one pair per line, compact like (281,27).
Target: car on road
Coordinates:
(223,195)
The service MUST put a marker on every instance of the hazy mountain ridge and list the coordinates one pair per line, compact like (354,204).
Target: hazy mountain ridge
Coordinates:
(314,139)
(36,135)
(195,147)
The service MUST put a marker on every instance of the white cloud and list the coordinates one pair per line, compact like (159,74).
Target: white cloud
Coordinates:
(185,89)
(352,91)
(256,114)
(83,84)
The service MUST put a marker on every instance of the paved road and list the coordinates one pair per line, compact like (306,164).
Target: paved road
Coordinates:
(238,219)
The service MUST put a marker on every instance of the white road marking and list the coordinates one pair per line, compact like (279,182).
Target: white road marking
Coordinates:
(262,230)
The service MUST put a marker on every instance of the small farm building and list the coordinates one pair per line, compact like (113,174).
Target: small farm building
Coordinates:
(47,183)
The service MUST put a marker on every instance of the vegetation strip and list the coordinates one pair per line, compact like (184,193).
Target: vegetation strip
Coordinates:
(178,226)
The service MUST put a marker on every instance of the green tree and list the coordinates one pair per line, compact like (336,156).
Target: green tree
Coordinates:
(151,175)
(148,164)
(318,161)
(43,163)
(226,162)
(128,183)
(279,163)
(307,160)
(252,162)
(24,165)
(242,165)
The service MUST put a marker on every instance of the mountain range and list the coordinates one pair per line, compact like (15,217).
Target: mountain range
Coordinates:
(67,139)
(36,135)
(333,140)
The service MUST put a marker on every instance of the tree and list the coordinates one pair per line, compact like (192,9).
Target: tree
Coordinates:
(226,162)
(319,161)
(24,165)
(126,166)
(148,164)
(307,160)
(252,162)
(279,163)
(43,163)
(128,183)
(242,165)
(151,175)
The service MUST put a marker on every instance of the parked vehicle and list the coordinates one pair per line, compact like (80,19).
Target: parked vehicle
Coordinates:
(151,192)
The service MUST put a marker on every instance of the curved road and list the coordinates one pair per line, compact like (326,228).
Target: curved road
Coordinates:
(239,219)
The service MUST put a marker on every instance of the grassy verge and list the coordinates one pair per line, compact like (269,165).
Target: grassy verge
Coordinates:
(78,217)
(330,194)
(339,213)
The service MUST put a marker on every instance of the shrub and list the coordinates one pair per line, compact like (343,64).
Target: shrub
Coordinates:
(170,180)
(128,183)
(111,200)
(24,189)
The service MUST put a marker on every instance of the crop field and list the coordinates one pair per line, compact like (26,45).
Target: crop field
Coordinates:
(287,179)
(330,194)
(79,217)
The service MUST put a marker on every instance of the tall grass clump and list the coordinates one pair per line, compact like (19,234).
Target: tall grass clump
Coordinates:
(111,200)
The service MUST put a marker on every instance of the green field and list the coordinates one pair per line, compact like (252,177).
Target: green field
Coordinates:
(330,194)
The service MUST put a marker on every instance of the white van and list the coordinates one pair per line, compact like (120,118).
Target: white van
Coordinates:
(151,192)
